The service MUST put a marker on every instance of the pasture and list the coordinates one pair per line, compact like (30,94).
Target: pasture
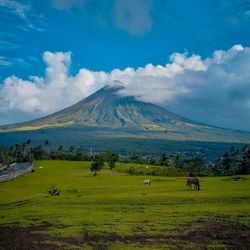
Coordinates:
(113,210)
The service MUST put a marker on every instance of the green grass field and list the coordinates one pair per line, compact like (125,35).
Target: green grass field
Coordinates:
(113,211)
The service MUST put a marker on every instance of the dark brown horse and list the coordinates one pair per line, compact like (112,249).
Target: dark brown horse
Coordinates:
(195,181)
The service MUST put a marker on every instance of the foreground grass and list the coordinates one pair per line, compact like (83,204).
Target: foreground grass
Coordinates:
(116,203)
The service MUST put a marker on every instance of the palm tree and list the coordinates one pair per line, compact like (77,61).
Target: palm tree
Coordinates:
(28,142)
(234,151)
(23,151)
(177,160)
(71,148)
(46,144)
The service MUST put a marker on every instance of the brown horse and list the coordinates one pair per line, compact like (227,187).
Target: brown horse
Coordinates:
(195,181)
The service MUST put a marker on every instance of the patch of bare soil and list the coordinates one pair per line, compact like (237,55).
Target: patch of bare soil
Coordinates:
(15,237)
(231,235)
(201,235)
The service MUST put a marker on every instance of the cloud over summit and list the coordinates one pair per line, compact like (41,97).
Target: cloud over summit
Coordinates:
(213,90)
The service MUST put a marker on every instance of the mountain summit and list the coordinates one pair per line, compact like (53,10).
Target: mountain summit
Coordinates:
(107,108)
(113,114)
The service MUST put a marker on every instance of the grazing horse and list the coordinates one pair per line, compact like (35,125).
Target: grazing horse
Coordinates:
(195,181)
(146,183)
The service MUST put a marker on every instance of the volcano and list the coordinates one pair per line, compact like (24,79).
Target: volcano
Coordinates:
(115,115)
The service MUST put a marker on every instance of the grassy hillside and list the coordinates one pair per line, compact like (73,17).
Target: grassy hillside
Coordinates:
(113,211)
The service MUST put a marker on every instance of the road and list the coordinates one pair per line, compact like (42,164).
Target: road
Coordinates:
(15,170)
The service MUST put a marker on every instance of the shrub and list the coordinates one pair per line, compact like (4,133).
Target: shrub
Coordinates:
(54,191)
(132,171)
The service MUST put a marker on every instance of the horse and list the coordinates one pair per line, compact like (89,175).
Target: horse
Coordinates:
(195,181)
(146,183)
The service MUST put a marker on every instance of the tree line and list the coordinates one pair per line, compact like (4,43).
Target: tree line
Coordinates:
(26,152)
(235,161)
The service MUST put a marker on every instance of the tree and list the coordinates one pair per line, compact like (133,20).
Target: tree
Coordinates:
(71,149)
(80,154)
(177,161)
(97,164)
(233,162)
(233,152)
(46,144)
(23,151)
(164,160)
(29,156)
(38,152)
(28,142)
(195,166)
(111,158)
(6,160)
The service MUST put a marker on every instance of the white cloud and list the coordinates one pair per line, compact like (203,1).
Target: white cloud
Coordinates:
(18,8)
(25,12)
(133,16)
(221,56)
(4,61)
(39,96)
(213,90)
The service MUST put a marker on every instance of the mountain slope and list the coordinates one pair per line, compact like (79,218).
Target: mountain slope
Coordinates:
(113,115)
(106,108)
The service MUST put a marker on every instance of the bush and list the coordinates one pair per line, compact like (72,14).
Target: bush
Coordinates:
(155,171)
(132,171)
(54,191)
(237,178)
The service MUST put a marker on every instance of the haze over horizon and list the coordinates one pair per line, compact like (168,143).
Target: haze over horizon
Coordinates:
(192,59)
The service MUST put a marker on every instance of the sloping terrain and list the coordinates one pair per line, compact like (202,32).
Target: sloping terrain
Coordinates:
(109,114)
(106,108)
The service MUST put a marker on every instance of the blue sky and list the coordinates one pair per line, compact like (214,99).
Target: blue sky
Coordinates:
(99,39)
(116,34)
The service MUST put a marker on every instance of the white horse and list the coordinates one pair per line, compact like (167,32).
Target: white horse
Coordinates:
(146,183)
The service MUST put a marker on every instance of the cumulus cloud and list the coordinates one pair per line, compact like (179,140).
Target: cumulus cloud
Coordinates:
(214,90)
(26,99)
